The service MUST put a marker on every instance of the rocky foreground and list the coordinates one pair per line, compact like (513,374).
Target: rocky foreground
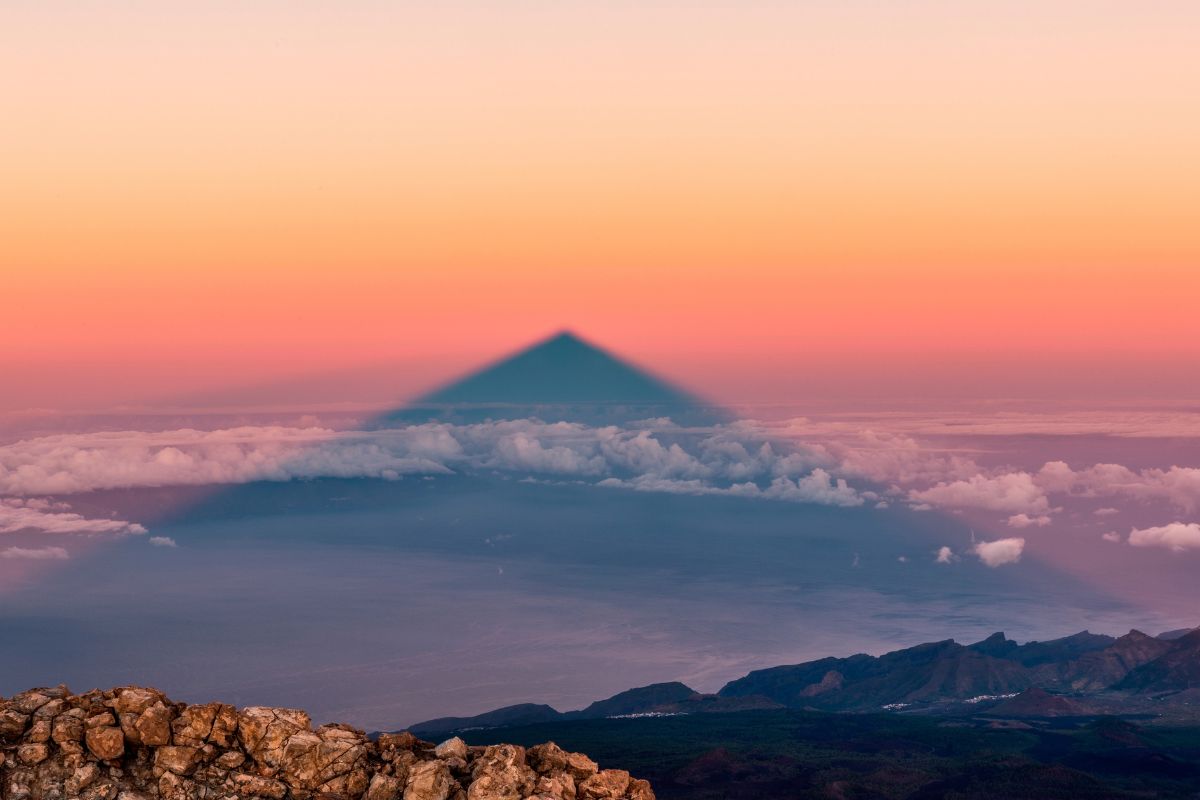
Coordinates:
(133,743)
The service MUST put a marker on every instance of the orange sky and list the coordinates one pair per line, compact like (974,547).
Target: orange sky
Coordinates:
(234,192)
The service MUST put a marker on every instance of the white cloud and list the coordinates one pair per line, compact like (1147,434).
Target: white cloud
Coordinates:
(945,556)
(1106,512)
(1179,486)
(67,464)
(1175,536)
(162,541)
(1026,521)
(1111,536)
(796,460)
(521,451)
(36,514)
(1013,492)
(1000,552)
(35,553)
(819,487)
(731,459)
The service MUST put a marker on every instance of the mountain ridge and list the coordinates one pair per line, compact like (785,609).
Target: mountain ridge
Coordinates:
(1058,675)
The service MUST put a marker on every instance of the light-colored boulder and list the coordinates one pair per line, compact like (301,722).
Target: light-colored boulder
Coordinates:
(264,734)
(500,773)
(180,759)
(452,748)
(384,787)
(428,780)
(31,754)
(556,784)
(607,784)
(67,727)
(153,725)
(256,786)
(106,743)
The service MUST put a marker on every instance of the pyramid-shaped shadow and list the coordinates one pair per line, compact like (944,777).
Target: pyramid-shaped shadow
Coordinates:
(559,378)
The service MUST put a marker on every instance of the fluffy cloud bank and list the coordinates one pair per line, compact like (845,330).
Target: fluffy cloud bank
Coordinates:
(818,487)
(732,460)
(1176,537)
(1179,486)
(1013,493)
(793,460)
(1000,552)
(36,514)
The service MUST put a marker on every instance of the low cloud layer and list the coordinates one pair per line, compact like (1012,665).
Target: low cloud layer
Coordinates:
(732,460)
(35,553)
(1013,492)
(797,460)
(39,515)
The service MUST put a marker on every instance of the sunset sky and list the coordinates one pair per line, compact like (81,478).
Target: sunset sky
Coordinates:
(734,193)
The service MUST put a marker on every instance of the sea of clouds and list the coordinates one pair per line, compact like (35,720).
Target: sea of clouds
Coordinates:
(794,460)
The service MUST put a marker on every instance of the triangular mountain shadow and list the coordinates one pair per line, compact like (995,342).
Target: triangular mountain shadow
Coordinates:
(559,378)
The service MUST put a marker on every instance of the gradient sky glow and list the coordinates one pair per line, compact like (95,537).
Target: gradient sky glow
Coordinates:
(234,192)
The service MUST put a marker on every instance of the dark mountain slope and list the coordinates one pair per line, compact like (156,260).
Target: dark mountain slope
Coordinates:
(520,714)
(1036,702)
(1032,654)
(1101,669)
(1175,671)
(943,677)
(639,701)
(926,672)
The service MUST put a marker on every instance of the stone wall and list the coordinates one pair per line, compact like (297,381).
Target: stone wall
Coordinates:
(134,743)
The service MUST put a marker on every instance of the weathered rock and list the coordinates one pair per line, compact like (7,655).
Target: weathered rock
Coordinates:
(39,731)
(384,787)
(106,742)
(30,701)
(153,725)
(135,699)
(500,773)
(133,743)
(452,748)
(429,780)
(67,727)
(12,724)
(194,724)
(640,790)
(264,734)
(557,784)
(608,784)
(81,778)
(30,754)
(254,786)
(180,759)
(104,719)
